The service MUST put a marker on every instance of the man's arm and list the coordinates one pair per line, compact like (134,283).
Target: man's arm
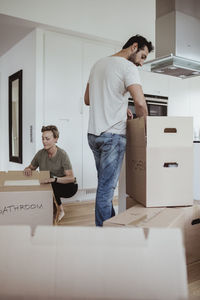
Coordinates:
(139,101)
(86,96)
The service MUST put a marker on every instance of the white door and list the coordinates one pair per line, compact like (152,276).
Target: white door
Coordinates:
(63,88)
(91,53)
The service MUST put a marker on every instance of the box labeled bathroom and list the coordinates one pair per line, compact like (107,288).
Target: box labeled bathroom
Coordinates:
(24,200)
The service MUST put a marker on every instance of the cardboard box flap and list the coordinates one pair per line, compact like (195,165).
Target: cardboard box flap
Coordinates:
(128,257)
(134,216)
(15,234)
(136,133)
(143,217)
(17,181)
(127,219)
(45,235)
(168,217)
(175,234)
(140,209)
(169,131)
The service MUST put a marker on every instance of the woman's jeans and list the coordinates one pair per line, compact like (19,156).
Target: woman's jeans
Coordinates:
(108,150)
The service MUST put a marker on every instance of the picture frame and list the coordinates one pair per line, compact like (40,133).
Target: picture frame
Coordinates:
(15,116)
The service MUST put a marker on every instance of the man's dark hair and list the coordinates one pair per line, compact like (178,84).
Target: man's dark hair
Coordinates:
(141,41)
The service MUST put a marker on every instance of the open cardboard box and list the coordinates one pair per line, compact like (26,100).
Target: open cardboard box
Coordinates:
(159,165)
(140,216)
(92,263)
(23,200)
(185,218)
(192,232)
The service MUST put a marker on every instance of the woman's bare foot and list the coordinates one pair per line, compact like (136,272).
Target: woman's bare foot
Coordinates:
(60,213)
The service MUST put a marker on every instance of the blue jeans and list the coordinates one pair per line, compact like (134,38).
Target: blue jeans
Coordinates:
(108,150)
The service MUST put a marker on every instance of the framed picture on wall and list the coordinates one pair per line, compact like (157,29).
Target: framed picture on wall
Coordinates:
(15,116)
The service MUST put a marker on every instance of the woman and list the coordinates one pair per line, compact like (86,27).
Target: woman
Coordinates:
(54,159)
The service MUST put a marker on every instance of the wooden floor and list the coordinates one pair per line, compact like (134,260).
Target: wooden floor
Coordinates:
(82,214)
(78,214)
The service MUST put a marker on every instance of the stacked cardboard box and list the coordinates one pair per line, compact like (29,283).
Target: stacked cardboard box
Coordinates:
(159,173)
(159,161)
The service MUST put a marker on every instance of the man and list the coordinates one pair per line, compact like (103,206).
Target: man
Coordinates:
(110,78)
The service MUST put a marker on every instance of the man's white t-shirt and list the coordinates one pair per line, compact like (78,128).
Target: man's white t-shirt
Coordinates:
(108,82)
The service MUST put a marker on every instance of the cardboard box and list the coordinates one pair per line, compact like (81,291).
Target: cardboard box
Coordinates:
(159,166)
(23,200)
(185,218)
(140,216)
(93,263)
(192,232)
(130,202)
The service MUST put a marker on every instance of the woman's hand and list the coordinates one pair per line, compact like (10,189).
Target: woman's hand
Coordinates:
(27,171)
(48,180)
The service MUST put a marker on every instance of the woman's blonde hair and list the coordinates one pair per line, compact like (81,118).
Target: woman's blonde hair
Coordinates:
(52,128)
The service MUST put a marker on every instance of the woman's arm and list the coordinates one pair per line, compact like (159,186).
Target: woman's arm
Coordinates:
(69,177)
(28,170)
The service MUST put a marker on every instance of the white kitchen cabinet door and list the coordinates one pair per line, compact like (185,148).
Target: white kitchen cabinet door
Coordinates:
(62,95)
(178,104)
(194,98)
(91,53)
(196,173)
(154,84)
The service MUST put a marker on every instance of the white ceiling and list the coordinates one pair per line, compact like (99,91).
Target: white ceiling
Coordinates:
(12,30)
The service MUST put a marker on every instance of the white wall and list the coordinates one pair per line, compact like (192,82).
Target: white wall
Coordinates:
(21,56)
(111,19)
(1,123)
(67,63)
(40,88)
(109,22)
(184,100)
(194,98)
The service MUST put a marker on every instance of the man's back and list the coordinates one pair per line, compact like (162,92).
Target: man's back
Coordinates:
(108,82)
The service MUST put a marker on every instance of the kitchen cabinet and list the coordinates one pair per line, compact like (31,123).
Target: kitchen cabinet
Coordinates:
(196,170)
(91,53)
(154,84)
(193,98)
(178,104)
(62,94)
(67,65)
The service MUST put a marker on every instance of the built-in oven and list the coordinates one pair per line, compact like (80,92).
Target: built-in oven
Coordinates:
(157,105)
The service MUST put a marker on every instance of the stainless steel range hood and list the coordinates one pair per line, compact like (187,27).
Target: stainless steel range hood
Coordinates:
(177,46)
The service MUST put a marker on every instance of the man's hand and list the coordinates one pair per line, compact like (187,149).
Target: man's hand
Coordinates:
(129,114)
(139,100)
